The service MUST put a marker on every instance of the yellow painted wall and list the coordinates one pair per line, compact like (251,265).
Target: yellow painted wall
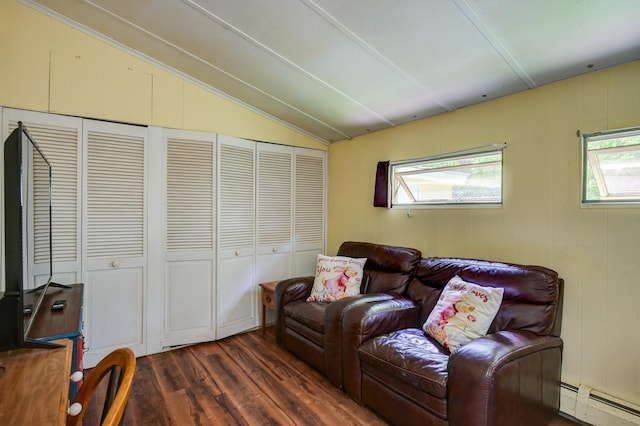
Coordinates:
(596,250)
(51,67)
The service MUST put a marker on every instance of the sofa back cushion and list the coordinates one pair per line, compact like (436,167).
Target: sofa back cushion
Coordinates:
(531,293)
(388,269)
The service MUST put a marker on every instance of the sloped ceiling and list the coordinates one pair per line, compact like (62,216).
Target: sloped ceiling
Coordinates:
(336,69)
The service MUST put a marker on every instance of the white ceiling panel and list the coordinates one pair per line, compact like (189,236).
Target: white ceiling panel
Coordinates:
(336,69)
(448,57)
(554,40)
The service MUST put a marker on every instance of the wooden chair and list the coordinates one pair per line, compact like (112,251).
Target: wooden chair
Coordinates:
(121,365)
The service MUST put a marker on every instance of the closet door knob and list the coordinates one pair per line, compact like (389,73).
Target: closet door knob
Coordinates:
(115,263)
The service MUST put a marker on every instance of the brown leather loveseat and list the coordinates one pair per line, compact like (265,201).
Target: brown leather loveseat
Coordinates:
(313,330)
(387,362)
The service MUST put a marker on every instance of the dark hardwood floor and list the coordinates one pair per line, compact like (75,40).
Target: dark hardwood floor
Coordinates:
(241,380)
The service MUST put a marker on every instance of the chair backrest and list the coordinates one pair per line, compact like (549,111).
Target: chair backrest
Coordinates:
(121,364)
(532,294)
(389,269)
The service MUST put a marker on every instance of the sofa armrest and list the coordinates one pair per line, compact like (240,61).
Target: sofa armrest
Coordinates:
(505,378)
(333,324)
(368,320)
(293,289)
(288,291)
(377,317)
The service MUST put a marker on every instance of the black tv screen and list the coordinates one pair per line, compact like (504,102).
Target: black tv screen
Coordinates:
(13,213)
(14,322)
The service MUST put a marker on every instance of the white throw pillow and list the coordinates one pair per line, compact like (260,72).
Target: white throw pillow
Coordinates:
(336,277)
(464,312)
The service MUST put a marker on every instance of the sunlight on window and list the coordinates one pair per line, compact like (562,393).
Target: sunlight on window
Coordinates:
(453,179)
(611,167)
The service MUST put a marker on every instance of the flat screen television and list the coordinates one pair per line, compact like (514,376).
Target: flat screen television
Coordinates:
(15,320)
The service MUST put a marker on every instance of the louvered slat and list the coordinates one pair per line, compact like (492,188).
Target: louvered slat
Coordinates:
(274,199)
(309,203)
(60,146)
(190,196)
(115,195)
(236,186)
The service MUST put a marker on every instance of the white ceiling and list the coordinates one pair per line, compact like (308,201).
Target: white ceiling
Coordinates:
(336,69)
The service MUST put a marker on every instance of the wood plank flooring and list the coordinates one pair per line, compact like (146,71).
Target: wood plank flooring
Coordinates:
(241,380)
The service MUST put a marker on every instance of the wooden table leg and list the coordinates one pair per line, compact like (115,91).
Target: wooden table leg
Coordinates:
(268,300)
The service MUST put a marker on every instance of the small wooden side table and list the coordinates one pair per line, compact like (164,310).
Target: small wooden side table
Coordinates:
(267,291)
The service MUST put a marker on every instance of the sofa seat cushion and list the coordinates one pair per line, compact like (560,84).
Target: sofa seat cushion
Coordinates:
(307,318)
(410,356)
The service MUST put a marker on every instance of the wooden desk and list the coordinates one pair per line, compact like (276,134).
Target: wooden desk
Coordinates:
(34,385)
(268,290)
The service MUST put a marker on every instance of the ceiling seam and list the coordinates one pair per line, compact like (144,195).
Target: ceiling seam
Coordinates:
(493,40)
(283,59)
(345,30)
(183,75)
(210,65)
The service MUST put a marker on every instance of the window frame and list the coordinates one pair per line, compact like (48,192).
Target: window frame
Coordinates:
(586,166)
(481,151)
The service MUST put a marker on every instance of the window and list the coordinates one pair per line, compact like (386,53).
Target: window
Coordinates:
(611,167)
(471,177)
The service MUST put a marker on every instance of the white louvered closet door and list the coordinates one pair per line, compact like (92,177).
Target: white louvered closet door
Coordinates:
(58,138)
(189,312)
(274,230)
(236,299)
(114,238)
(309,209)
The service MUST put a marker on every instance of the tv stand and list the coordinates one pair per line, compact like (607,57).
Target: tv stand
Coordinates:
(51,284)
(65,324)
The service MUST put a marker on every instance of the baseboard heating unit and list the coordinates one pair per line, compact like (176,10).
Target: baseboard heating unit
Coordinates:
(597,408)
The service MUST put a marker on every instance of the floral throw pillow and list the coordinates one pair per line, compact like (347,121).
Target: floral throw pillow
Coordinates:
(464,312)
(336,277)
